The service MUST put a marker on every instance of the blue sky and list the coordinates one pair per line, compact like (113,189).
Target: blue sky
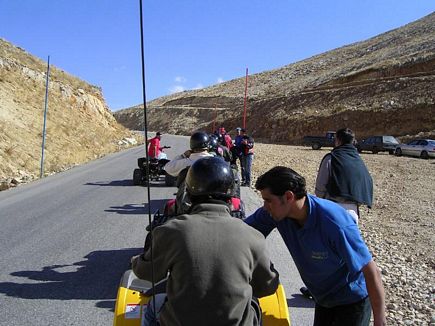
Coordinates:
(190,44)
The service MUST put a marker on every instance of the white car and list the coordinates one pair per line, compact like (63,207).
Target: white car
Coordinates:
(423,148)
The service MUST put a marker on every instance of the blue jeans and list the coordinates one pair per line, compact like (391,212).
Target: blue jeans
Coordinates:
(247,164)
(150,318)
(355,314)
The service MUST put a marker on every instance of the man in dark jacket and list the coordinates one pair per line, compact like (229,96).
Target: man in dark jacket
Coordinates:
(343,177)
(247,146)
(217,264)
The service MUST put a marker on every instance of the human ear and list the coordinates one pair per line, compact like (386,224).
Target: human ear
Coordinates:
(289,196)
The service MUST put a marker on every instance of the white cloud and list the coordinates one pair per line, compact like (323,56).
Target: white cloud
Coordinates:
(220,80)
(198,86)
(180,79)
(176,89)
(119,68)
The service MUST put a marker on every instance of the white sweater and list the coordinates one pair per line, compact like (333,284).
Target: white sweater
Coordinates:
(180,162)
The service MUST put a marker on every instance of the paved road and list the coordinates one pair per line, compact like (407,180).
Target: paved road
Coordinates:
(66,240)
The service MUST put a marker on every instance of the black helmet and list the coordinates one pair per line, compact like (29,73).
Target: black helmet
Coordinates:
(210,176)
(213,143)
(199,140)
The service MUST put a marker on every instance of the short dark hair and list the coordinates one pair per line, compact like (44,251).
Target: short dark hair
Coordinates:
(345,136)
(281,179)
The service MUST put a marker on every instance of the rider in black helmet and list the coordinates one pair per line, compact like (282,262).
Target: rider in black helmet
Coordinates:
(210,178)
(198,149)
(199,141)
(217,149)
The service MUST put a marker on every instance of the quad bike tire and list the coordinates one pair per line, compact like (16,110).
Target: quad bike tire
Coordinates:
(170,181)
(137,177)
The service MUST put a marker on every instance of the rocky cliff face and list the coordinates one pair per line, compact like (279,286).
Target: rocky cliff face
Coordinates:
(383,85)
(80,126)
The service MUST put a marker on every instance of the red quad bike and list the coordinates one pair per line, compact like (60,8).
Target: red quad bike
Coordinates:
(156,170)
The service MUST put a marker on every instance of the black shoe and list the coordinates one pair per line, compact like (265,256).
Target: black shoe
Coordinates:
(306,293)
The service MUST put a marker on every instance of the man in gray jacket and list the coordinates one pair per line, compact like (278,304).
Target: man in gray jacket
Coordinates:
(216,264)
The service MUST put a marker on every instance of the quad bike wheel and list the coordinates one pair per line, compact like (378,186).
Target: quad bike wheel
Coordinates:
(137,177)
(170,181)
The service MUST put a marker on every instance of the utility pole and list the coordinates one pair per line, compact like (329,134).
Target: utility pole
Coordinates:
(244,102)
(45,118)
(214,120)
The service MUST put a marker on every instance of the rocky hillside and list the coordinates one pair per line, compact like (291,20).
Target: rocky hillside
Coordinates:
(384,85)
(80,126)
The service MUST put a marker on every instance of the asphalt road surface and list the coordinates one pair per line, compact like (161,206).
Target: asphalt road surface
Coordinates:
(67,239)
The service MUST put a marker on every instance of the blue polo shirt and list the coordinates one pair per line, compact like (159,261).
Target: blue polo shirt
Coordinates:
(328,250)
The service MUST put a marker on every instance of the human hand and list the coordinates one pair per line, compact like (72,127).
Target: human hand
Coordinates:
(134,258)
(187,153)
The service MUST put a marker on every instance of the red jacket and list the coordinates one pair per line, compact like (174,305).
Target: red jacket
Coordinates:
(154,148)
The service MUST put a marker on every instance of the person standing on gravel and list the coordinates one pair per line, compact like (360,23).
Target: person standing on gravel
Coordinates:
(327,248)
(247,145)
(343,177)
(237,151)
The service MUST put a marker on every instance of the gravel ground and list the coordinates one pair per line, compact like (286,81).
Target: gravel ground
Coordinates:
(399,229)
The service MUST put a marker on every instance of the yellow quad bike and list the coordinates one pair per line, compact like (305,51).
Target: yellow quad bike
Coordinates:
(133,297)
(134,293)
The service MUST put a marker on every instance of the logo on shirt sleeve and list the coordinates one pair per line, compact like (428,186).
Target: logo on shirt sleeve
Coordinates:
(319,255)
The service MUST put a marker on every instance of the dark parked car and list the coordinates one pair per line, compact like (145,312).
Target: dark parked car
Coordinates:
(376,144)
(423,148)
(317,142)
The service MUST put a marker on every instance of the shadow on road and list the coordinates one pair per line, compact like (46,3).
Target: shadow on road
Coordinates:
(95,278)
(126,183)
(113,183)
(299,301)
(138,209)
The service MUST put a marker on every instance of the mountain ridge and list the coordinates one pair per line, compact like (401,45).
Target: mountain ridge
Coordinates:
(390,75)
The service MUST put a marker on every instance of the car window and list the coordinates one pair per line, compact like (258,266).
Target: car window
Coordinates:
(431,142)
(422,142)
(378,140)
(414,142)
(390,139)
(370,140)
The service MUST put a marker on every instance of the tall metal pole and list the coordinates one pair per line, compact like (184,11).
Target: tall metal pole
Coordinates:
(45,119)
(145,127)
(245,100)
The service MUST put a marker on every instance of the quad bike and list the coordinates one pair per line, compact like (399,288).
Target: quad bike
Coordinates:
(156,170)
(135,294)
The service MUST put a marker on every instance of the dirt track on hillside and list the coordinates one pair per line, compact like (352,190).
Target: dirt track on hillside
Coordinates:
(399,229)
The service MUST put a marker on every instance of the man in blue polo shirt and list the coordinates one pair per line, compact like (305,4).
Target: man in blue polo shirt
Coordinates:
(327,248)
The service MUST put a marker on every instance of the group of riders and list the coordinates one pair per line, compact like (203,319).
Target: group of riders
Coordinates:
(220,144)
(217,266)
(202,145)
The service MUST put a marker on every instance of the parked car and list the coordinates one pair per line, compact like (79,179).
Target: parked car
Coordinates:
(376,144)
(423,148)
(317,142)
